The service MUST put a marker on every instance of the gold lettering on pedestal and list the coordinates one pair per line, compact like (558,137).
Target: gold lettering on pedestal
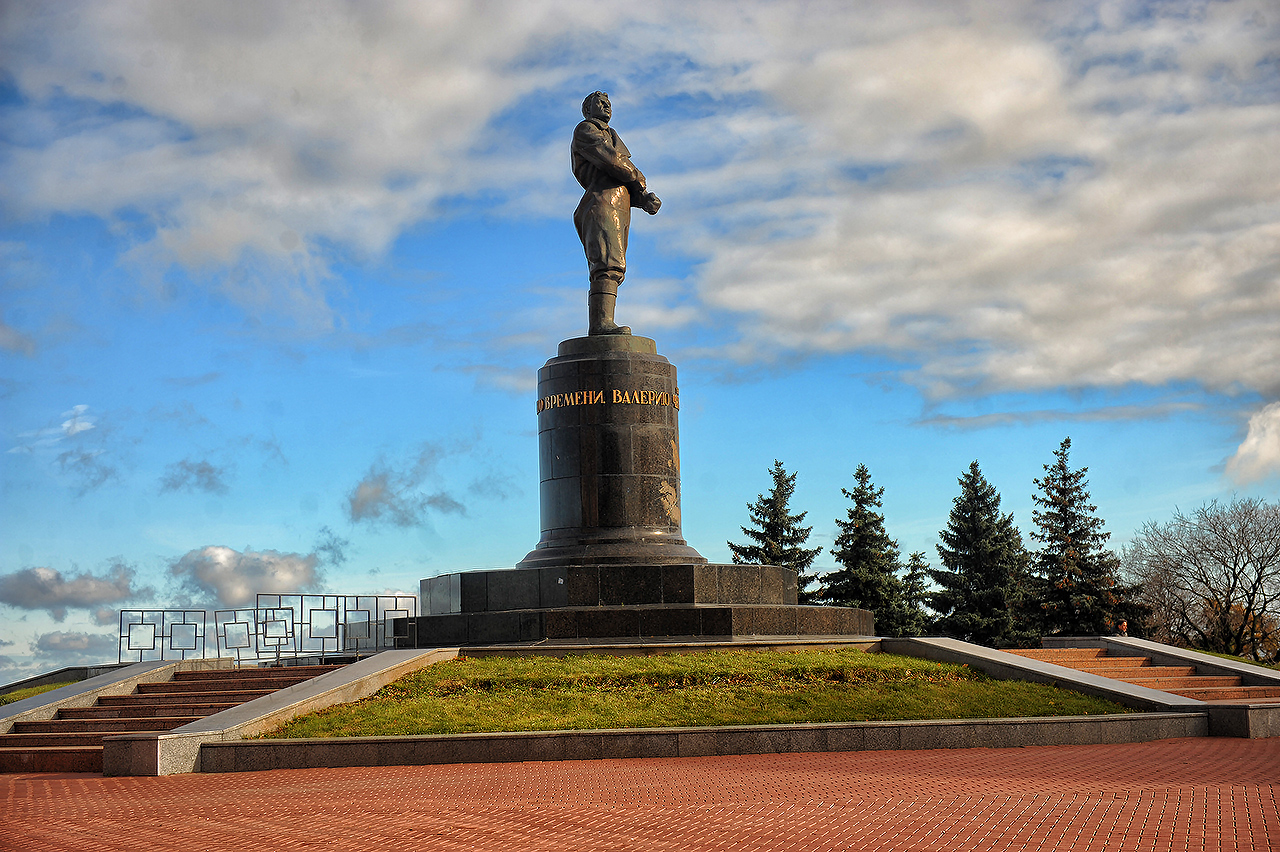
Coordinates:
(618,397)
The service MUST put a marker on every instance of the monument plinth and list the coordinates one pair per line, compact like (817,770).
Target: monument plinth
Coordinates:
(612,562)
(609,456)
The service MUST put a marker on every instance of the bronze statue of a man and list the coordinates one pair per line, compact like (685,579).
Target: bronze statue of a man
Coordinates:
(602,165)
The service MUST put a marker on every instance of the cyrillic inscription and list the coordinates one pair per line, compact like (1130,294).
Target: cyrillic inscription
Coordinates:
(615,397)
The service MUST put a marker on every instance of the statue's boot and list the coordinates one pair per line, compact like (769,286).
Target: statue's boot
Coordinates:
(600,308)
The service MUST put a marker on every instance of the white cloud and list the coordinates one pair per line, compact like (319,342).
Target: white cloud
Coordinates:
(1258,455)
(48,589)
(235,577)
(1001,196)
(65,647)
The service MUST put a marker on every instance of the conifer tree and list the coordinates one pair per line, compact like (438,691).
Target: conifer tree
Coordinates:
(984,569)
(777,534)
(914,620)
(867,556)
(1076,590)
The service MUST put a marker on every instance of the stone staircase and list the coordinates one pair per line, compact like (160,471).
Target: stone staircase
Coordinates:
(1140,671)
(72,740)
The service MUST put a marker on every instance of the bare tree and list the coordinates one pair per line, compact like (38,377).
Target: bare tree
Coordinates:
(1212,578)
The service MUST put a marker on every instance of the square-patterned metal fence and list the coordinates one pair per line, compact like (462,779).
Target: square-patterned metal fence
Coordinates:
(161,634)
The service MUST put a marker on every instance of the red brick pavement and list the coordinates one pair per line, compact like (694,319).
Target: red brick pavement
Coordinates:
(1192,794)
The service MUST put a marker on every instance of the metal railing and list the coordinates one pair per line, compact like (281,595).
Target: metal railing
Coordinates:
(282,625)
(162,634)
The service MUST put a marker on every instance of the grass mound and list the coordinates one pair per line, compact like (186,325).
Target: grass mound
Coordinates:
(19,694)
(584,692)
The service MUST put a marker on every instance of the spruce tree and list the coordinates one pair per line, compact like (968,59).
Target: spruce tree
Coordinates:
(914,596)
(1077,590)
(984,569)
(777,533)
(868,557)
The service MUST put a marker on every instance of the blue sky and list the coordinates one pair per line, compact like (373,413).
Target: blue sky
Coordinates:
(277,277)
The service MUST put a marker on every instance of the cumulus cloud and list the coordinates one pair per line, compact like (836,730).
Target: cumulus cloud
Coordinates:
(998,196)
(48,589)
(1258,456)
(387,495)
(192,475)
(233,577)
(70,647)
(254,132)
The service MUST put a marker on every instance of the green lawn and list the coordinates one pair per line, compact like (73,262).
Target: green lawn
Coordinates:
(19,694)
(713,688)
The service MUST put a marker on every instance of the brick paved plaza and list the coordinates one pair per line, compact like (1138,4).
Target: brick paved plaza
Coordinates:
(1196,794)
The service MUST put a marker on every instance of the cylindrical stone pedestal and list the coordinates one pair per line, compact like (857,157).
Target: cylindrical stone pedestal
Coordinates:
(609,456)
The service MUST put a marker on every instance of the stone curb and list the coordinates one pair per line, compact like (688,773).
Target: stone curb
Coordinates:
(259,755)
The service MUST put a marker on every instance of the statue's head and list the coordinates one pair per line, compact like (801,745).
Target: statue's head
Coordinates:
(596,105)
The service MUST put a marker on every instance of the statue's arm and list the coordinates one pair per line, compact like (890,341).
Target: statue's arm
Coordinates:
(593,144)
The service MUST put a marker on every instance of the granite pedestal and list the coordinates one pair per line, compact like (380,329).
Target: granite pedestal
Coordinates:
(612,561)
(609,456)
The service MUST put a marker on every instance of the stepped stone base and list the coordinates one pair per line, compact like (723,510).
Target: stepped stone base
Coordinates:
(642,622)
(697,600)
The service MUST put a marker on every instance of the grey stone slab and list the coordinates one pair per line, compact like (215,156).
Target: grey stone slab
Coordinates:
(630,585)
(740,584)
(697,743)
(716,621)
(440,750)
(882,736)
(584,585)
(513,589)
(678,583)
(560,624)
(1229,720)
(475,591)
(493,627)
(1115,731)
(531,626)
(669,621)
(434,631)
(803,738)
(706,584)
(553,585)
(646,744)
(846,738)
(765,740)
(772,584)
(586,745)
(609,623)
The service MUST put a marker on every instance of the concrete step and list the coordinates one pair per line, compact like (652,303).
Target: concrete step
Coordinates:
(217,696)
(1143,671)
(1108,662)
(69,738)
(105,725)
(1229,693)
(194,710)
(1195,682)
(259,671)
(72,742)
(1056,655)
(51,759)
(211,687)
